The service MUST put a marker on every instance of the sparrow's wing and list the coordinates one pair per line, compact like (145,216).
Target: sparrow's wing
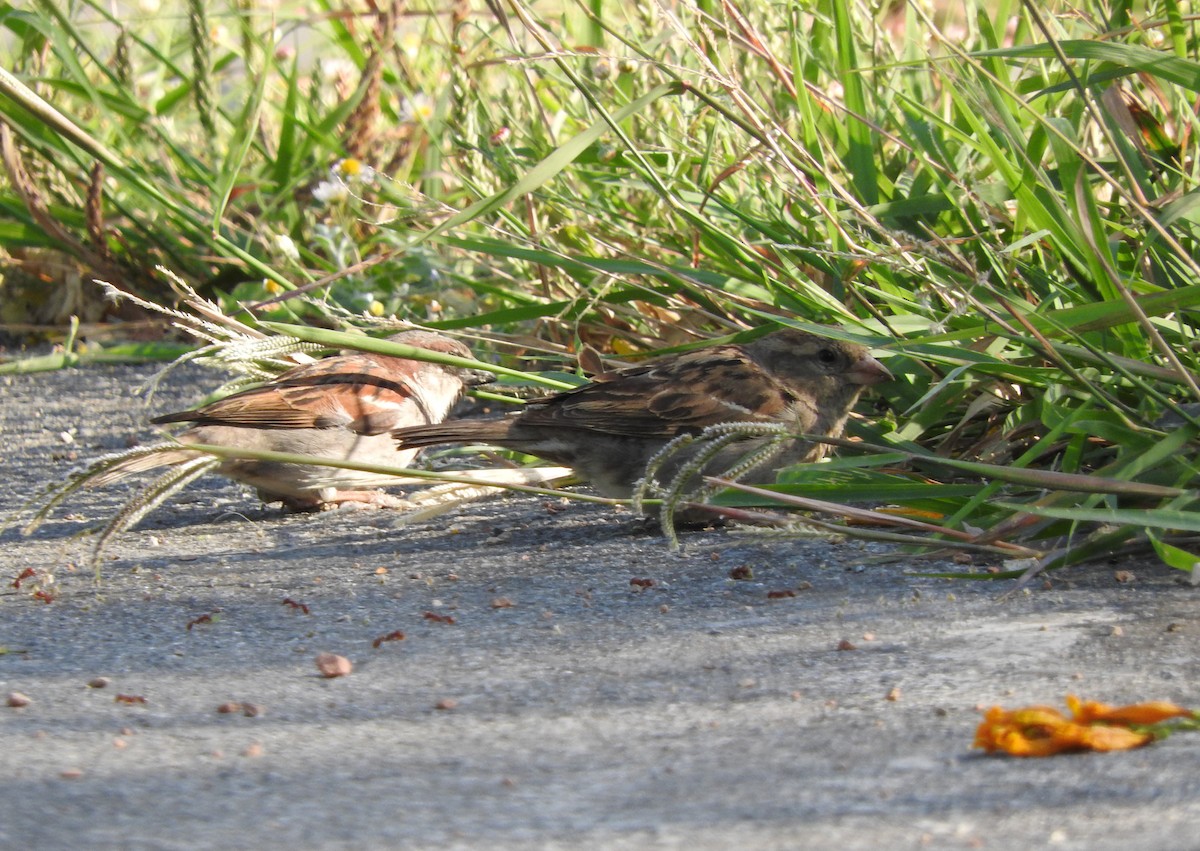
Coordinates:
(366,394)
(682,394)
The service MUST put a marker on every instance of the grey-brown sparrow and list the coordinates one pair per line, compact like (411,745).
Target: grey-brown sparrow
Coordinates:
(610,429)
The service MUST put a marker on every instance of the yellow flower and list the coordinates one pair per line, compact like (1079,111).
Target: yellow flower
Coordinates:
(1044,730)
(1031,731)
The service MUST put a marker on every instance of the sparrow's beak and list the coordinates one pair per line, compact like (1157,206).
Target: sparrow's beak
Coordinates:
(475,377)
(868,371)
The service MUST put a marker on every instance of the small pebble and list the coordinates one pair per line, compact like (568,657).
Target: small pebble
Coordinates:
(332,665)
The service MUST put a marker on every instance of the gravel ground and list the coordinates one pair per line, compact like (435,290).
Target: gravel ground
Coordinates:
(563,680)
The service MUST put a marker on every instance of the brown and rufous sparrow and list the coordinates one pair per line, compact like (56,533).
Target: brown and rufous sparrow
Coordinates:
(609,430)
(342,408)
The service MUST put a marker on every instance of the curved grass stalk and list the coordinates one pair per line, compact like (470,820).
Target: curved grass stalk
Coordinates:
(714,440)
(94,475)
(154,495)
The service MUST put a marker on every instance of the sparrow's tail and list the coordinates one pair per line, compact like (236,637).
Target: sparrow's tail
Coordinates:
(454,431)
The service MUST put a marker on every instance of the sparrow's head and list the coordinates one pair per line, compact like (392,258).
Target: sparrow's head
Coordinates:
(447,346)
(823,365)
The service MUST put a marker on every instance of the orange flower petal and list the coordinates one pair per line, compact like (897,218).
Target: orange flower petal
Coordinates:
(1114,738)
(1153,712)
(1038,716)
(1016,743)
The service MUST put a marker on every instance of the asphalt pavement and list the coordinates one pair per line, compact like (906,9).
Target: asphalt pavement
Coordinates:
(530,673)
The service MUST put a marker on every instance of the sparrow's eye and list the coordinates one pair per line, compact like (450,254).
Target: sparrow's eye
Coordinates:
(827,357)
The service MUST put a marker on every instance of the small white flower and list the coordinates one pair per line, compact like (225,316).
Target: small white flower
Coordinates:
(353,171)
(331,191)
(411,43)
(419,107)
(337,67)
(286,246)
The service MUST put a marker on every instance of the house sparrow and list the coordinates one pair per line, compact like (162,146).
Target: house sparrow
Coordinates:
(342,408)
(609,430)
